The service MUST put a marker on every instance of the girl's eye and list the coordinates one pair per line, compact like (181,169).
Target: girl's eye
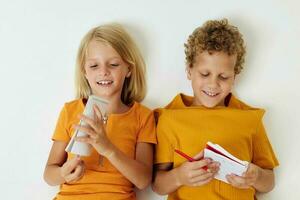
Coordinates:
(93,66)
(204,74)
(114,64)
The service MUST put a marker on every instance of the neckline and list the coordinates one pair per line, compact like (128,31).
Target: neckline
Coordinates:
(131,108)
(186,102)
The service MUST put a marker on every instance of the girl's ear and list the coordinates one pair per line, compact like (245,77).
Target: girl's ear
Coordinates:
(128,74)
(188,72)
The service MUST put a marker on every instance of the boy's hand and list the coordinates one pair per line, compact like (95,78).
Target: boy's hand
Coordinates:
(247,180)
(193,174)
(72,170)
(96,134)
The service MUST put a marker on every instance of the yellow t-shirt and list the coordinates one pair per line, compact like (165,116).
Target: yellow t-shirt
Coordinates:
(238,128)
(104,181)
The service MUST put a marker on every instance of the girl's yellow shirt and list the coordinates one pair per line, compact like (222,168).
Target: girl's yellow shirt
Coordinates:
(101,179)
(238,128)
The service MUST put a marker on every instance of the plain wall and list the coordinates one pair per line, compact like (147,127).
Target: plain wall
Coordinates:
(38,46)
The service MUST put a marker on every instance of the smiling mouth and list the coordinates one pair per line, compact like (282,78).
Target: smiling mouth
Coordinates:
(211,94)
(104,82)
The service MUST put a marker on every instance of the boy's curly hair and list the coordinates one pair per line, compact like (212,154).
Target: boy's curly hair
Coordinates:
(216,35)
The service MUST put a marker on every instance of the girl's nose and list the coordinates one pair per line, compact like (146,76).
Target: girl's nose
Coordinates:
(103,71)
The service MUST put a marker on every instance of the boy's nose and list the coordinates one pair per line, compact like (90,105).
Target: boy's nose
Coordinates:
(213,82)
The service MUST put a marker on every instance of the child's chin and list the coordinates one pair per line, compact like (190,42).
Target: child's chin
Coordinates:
(210,105)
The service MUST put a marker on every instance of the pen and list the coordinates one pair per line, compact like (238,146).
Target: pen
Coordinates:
(190,159)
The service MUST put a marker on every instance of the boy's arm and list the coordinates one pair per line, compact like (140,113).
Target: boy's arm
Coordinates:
(167,180)
(139,170)
(266,181)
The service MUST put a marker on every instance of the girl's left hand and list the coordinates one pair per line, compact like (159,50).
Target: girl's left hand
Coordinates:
(247,180)
(96,134)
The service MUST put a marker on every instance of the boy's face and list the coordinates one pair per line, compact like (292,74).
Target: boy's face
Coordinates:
(212,78)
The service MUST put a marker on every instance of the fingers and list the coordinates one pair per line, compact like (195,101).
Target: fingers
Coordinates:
(213,167)
(201,163)
(70,165)
(90,132)
(97,113)
(199,156)
(192,174)
(73,169)
(76,174)
(201,180)
(238,181)
(94,124)
(84,139)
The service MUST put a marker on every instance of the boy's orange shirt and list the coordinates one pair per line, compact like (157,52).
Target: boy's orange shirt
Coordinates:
(101,179)
(238,128)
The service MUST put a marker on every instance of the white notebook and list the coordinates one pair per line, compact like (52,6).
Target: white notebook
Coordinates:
(229,163)
(80,148)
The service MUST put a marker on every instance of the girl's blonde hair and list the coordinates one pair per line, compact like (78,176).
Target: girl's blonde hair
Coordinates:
(134,87)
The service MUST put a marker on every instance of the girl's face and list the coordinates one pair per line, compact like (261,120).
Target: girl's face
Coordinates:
(105,70)
(212,78)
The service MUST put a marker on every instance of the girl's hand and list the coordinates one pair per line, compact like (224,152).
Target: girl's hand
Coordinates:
(72,170)
(247,180)
(193,174)
(96,134)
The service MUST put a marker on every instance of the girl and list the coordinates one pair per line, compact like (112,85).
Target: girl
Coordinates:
(110,66)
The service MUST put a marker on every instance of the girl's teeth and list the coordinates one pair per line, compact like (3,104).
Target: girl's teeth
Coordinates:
(104,82)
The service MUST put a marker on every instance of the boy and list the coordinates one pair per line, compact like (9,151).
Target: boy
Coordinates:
(214,55)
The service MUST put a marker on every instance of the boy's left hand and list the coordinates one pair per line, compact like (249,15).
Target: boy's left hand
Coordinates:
(248,178)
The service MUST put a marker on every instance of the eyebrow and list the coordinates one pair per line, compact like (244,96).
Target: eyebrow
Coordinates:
(111,58)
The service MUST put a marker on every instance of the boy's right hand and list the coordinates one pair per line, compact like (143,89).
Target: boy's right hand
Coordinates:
(193,174)
(72,170)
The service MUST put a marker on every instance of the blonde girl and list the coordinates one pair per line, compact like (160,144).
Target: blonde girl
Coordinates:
(109,65)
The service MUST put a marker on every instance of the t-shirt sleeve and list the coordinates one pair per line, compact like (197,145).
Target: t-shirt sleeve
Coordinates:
(263,154)
(164,151)
(61,129)
(147,132)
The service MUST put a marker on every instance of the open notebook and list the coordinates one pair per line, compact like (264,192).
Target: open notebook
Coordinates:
(80,148)
(229,163)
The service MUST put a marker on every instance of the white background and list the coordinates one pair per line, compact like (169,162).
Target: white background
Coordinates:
(38,45)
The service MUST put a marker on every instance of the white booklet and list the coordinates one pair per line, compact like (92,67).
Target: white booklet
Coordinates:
(80,148)
(229,163)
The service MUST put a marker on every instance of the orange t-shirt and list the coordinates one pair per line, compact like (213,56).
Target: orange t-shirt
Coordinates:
(101,179)
(238,128)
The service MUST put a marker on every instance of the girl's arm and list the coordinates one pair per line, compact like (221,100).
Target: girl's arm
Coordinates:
(261,179)
(57,170)
(139,170)
(167,180)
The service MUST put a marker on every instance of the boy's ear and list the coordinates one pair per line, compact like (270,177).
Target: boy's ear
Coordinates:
(188,72)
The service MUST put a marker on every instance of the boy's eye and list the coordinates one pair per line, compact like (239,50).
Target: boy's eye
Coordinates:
(223,77)
(204,74)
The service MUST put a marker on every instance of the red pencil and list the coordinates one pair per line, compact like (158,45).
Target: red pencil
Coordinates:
(190,159)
